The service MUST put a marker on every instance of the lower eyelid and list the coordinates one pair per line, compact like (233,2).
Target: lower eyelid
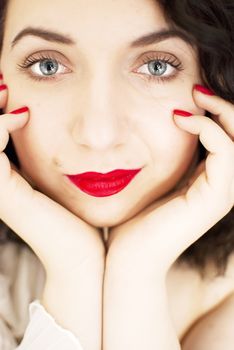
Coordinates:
(34,64)
(148,77)
(173,68)
(159,79)
(27,69)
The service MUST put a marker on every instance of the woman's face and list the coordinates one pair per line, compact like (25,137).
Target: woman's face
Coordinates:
(99,106)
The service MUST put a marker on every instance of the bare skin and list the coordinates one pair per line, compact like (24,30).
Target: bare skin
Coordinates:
(134,127)
(82,243)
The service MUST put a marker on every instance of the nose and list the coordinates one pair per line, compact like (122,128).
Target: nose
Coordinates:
(101,124)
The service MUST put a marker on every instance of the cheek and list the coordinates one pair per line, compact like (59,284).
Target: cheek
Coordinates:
(36,143)
(169,147)
(45,102)
(171,156)
(47,114)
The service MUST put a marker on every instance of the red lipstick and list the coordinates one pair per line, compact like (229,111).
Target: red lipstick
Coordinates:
(103,185)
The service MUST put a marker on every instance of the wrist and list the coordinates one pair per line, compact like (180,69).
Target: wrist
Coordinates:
(75,301)
(74,263)
(136,300)
(134,267)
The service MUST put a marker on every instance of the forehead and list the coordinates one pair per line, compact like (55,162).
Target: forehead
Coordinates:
(109,21)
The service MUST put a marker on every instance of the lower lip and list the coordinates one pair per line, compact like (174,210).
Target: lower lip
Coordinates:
(101,187)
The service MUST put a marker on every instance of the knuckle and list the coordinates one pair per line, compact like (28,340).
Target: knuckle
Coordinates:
(3,98)
(218,106)
(4,138)
(224,203)
(228,147)
(231,151)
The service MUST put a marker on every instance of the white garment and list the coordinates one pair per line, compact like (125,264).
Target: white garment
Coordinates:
(24,322)
(44,333)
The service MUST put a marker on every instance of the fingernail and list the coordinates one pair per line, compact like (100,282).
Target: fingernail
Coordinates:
(20,110)
(1,76)
(182,113)
(3,87)
(203,89)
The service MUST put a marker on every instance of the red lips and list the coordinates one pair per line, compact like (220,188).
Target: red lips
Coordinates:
(102,185)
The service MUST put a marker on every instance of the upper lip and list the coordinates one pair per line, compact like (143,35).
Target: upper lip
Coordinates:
(106,176)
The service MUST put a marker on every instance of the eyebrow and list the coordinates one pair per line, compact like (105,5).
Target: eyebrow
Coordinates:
(52,36)
(44,34)
(156,37)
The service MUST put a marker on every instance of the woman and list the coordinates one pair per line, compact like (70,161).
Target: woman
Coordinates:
(144,89)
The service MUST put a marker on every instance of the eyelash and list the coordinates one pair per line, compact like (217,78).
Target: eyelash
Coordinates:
(146,60)
(32,60)
(171,60)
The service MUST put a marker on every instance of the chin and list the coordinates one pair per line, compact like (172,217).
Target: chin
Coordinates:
(106,217)
(103,220)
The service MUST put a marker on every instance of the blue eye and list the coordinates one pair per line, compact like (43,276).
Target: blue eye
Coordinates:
(159,69)
(43,67)
(48,67)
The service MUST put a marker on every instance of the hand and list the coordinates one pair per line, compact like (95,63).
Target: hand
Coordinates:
(141,250)
(53,232)
(158,235)
(71,251)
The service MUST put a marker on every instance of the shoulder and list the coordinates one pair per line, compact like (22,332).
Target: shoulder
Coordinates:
(191,298)
(214,330)
(216,289)
(210,326)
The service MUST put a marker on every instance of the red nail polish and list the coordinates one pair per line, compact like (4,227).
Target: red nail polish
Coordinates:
(182,113)
(3,87)
(1,77)
(203,89)
(20,110)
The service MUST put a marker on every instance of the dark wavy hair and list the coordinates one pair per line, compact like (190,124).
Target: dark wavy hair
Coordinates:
(209,26)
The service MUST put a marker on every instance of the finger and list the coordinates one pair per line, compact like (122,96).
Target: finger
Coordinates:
(222,110)
(198,171)
(8,123)
(219,162)
(3,95)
